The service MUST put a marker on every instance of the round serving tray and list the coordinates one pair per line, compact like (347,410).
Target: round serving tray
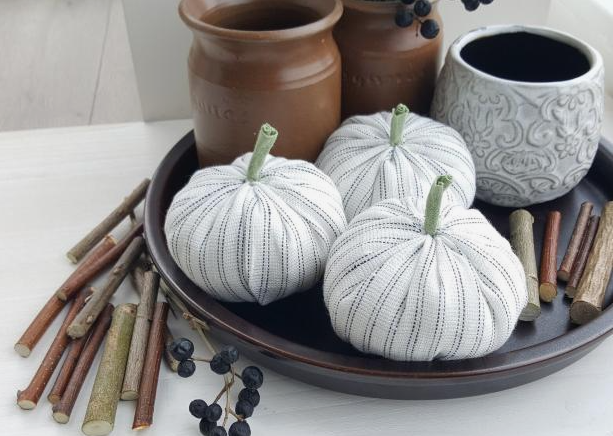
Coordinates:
(294,336)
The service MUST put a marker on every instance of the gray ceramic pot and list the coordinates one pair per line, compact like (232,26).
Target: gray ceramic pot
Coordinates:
(529,103)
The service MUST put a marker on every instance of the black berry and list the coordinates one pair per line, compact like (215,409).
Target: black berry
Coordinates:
(244,408)
(181,349)
(404,18)
(470,5)
(252,377)
(250,395)
(213,412)
(229,354)
(408,2)
(218,366)
(429,29)
(186,368)
(197,408)
(218,431)
(422,8)
(240,428)
(206,427)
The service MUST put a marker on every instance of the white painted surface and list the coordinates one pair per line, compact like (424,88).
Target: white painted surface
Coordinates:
(55,184)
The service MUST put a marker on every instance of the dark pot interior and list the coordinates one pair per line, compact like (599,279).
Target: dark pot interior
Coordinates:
(525,57)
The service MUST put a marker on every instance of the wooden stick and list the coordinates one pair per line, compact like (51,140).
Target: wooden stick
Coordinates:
(54,305)
(70,361)
(581,259)
(143,417)
(28,398)
(522,240)
(587,304)
(81,276)
(98,302)
(575,241)
(138,346)
(63,408)
(136,276)
(549,286)
(128,204)
(100,416)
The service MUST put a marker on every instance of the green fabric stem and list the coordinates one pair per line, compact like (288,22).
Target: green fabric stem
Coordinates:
(399,117)
(433,204)
(266,139)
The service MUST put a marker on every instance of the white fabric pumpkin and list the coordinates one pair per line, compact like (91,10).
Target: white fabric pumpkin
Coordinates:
(393,289)
(257,230)
(367,167)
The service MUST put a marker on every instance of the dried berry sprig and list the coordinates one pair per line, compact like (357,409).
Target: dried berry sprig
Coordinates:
(222,363)
(411,11)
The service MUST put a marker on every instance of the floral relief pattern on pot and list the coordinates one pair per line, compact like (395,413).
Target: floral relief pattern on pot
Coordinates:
(531,142)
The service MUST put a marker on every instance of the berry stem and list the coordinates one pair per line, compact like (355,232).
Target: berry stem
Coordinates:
(399,117)
(201,359)
(433,203)
(234,414)
(266,139)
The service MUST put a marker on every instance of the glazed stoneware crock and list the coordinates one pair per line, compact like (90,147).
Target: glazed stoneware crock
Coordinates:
(384,64)
(529,103)
(256,61)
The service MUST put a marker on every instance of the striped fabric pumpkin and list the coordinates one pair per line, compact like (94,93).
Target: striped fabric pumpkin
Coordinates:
(415,283)
(257,230)
(395,155)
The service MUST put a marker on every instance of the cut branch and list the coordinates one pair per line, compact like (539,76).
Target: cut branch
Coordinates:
(549,286)
(98,302)
(522,241)
(54,306)
(100,416)
(587,304)
(136,276)
(581,260)
(138,346)
(84,274)
(72,357)
(28,398)
(63,408)
(575,241)
(77,252)
(143,417)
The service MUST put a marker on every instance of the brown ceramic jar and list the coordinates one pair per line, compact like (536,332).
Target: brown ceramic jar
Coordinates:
(257,61)
(384,64)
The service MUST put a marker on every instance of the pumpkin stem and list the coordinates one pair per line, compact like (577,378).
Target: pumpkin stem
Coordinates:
(266,139)
(399,117)
(433,204)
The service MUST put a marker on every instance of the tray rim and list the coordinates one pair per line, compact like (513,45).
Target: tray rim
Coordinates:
(580,338)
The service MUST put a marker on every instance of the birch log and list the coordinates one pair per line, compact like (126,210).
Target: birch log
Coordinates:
(522,240)
(100,415)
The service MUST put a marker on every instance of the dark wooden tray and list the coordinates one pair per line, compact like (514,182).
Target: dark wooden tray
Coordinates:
(294,336)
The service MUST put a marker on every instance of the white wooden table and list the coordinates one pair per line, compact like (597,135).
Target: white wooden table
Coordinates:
(55,184)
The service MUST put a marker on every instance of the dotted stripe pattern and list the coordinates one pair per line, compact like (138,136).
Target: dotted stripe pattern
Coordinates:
(255,242)
(394,291)
(367,169)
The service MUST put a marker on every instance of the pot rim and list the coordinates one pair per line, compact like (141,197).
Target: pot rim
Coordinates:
(320,25)
(593,56)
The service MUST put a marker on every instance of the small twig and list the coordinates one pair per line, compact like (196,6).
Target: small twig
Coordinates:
(201,359)
(77,252)
(94,307)
(83,275)
(548,288)
(28,398)
(54,306)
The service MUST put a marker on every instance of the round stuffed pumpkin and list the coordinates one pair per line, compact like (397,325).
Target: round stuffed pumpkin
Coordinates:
(395,155)
(418,283)
(257,230)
